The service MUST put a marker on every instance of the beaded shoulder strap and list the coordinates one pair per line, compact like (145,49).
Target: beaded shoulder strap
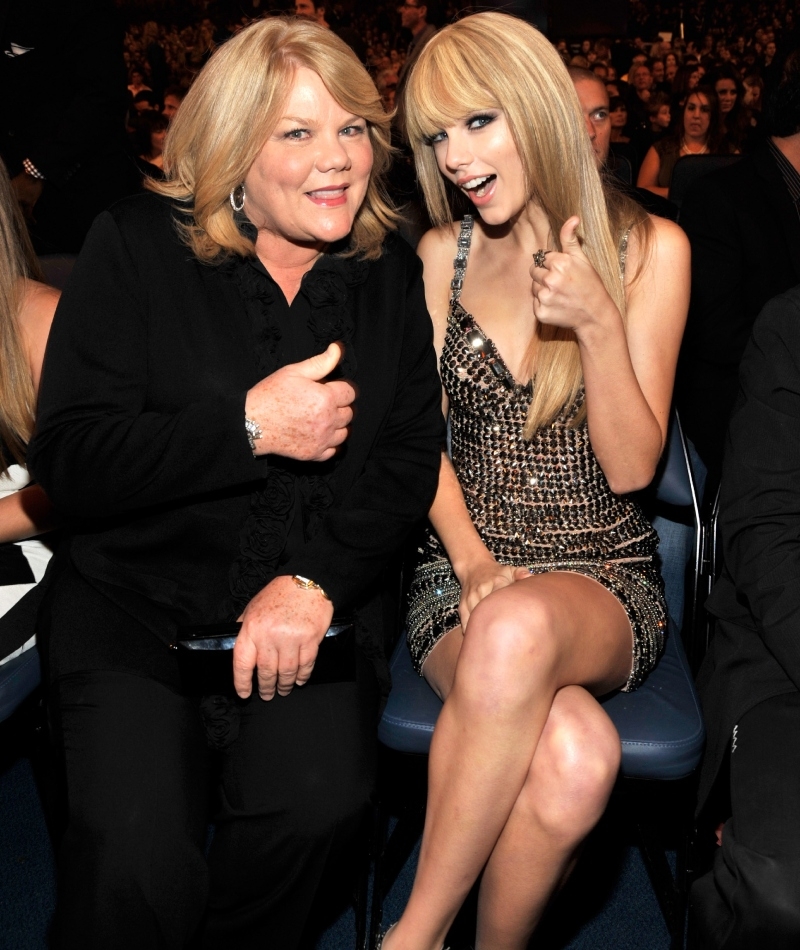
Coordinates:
(623,253)
(462,256)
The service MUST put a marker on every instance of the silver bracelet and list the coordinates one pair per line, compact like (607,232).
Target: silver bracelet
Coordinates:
(253,430)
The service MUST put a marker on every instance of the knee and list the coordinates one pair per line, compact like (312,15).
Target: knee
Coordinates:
(508,652)
(573,772)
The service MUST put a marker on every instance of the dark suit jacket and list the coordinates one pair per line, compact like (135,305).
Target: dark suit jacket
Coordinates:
(745,238)
(755,653)
(141,440)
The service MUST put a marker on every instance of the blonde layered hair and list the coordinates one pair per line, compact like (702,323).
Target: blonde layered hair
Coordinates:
(496,61)
(17,262)
(231,109)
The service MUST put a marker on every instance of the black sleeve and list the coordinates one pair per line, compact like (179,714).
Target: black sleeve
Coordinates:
(100,449)
(760,503)
(398,483)
(717,312)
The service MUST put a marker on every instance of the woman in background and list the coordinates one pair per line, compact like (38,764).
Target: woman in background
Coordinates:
(698,131)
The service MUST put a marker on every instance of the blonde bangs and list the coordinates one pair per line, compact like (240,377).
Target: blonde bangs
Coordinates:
(496,60)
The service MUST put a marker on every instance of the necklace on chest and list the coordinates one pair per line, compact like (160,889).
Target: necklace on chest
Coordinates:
(693,150)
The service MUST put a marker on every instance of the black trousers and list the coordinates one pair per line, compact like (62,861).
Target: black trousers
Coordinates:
(751,897)
(291,791)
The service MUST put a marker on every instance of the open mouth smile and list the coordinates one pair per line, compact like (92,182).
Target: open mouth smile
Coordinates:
(477,186)
(329,196)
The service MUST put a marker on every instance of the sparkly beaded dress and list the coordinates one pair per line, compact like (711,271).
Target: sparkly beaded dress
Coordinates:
(542,503)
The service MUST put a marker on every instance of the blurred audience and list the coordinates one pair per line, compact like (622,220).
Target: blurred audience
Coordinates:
(744,228)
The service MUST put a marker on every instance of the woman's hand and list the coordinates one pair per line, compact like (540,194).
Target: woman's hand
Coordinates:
(480,580)
(567,290)
(301,416)
(282,628)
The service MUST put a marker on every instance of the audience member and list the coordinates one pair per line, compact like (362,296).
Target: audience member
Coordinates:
(698,132)
(595,106)
(414,17)
(744,229)
(137,83)
(173,97)
(151,131)
(316,11)
(739,123)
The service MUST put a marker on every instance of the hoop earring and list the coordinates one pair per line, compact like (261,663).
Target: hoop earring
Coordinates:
(233,198)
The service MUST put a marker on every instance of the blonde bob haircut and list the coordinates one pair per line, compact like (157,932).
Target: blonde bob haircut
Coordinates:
(231,109)
(496,61)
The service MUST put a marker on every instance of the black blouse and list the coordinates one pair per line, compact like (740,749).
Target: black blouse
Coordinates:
(141,442)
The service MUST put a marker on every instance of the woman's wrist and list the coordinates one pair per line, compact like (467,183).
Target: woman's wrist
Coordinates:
(604,323)
(463,567)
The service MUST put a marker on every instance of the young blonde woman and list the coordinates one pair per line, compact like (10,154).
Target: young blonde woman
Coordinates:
(557,332)
(26,312)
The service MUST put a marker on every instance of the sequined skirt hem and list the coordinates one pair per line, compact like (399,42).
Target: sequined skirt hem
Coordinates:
(435,594)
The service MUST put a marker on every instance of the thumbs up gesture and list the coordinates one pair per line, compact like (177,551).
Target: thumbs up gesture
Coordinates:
(300,415)
(567,291)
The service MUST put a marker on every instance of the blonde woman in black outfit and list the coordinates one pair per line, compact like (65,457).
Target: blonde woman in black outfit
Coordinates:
(199,425)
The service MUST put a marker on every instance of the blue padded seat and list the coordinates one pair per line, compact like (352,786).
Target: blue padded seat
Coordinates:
(660,724)
(18,679)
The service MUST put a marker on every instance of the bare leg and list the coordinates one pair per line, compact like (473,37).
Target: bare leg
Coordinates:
(563,798)
(523,646)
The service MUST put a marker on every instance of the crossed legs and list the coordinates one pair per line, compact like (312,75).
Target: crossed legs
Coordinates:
(523,758)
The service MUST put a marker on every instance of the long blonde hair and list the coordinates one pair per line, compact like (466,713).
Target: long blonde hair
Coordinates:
(494,60)
(233,106)
(17,261)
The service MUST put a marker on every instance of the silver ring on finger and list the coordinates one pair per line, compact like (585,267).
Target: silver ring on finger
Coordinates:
(539,257)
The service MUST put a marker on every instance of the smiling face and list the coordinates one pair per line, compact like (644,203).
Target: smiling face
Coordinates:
(479,156)
(311,175)
(697,117)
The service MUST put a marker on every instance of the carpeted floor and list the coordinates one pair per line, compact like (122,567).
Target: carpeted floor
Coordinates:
(608,904)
